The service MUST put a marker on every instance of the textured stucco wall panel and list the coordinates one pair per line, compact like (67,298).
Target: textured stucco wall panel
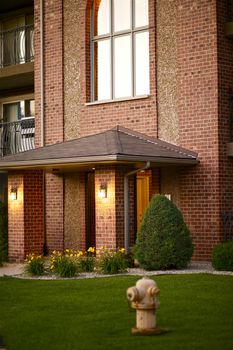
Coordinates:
(168,128)
(73,212)
(170,183)
(72,49)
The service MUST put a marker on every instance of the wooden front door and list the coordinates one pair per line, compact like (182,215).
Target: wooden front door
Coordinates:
(142,197)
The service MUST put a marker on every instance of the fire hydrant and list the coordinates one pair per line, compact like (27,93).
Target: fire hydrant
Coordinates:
(143,299)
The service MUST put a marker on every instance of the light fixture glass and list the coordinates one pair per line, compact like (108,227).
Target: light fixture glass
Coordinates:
(13,193)
(102,191)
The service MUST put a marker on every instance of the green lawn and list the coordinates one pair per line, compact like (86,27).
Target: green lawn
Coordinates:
(93,314)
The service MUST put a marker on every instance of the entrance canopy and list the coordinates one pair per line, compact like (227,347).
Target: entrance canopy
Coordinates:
(116,146)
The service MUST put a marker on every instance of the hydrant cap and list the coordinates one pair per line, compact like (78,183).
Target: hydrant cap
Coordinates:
(132,294)
(146,283)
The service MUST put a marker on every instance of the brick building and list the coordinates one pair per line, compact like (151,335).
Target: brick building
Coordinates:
(105,103)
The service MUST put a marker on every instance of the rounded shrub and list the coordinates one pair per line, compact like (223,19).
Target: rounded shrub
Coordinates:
(222,257)
(163,240)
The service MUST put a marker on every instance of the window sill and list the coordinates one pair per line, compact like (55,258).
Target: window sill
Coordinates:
(116,100)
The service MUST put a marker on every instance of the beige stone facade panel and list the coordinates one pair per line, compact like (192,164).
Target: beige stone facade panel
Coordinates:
(168,127)
(73,235)
(72,50)
(170,183)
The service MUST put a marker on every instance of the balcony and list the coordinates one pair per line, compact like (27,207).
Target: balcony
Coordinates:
(17,136)
(17,46)
(17,57)
(228,26)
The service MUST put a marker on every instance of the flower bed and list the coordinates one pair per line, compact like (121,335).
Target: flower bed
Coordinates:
(71,263)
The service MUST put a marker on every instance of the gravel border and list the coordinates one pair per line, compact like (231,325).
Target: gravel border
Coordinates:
(16,271)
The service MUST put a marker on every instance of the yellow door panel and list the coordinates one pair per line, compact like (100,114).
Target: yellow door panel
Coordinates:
(142,197)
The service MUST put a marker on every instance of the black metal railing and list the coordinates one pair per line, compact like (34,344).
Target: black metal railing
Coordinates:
(17,136)
(17,46)
(228,226)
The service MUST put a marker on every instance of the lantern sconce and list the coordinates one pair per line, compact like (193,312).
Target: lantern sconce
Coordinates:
(102,191)
(13,193)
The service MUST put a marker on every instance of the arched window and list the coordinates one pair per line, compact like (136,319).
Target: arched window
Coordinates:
(120,49)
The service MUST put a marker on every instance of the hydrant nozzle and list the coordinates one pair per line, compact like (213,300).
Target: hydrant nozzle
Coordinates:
(143,299)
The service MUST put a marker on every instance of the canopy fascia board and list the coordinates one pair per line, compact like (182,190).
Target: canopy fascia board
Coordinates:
(44,163)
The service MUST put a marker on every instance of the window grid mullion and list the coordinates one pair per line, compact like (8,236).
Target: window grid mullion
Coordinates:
(120,33)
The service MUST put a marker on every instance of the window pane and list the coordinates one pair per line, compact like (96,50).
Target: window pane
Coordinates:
(123,66)
(29,108)
(102,70)
(12,112)
(142,63)
(122,18)
(101,17)
(141,13)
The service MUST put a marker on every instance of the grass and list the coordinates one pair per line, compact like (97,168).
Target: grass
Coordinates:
(93,314)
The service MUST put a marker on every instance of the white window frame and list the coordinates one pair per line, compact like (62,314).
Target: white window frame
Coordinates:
(111,36)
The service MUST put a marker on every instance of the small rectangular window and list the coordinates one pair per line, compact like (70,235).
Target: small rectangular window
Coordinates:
(123,67)
(142,64)
(101,17)
(122,15)
(102,70)
(141,13)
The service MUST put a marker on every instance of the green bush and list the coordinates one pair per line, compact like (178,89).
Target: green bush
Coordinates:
(112,262)
(87,260)
(3,233)
(35,264)
(163,240)
(222,257)
(86,263)
(64,264)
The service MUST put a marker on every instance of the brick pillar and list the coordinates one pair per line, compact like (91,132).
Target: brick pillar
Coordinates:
(54,212)
(25,215)
(109,211)
(105,210)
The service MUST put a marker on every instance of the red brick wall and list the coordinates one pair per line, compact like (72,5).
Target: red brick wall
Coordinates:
(54,212)
(16,219)
(53,109)
(33,212)
(139,114)
(105,210)
(225,76)
(82,210)
(53,71)
(198,120)
(25,215)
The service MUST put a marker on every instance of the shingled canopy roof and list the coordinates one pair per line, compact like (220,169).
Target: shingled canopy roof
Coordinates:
(115,146)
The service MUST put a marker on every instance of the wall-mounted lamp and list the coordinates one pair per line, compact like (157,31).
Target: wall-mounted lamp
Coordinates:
(102,191)
(13,193)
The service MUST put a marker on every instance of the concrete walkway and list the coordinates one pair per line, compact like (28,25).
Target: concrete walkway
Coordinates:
(17,270)
(11,269)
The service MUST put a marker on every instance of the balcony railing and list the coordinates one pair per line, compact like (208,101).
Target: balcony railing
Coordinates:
(16,46)
(17,136)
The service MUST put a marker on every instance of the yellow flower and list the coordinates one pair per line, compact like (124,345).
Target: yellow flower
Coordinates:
(122,250)
(91,250)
